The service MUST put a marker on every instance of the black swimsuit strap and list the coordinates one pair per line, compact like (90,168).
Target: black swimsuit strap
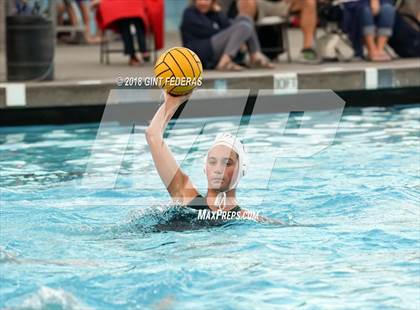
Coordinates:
(200,203)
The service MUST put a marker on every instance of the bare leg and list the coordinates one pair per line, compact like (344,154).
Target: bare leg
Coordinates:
(60,11)
(72,14)
(381,42)
(247,8)
(372,48)
(308,19)
(84,10)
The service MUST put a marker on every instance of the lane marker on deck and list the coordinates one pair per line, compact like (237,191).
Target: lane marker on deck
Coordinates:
(220,85)
(15,94)
(371,78)
(285,83)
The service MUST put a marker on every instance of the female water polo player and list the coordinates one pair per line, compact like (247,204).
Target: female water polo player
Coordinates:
(225,164)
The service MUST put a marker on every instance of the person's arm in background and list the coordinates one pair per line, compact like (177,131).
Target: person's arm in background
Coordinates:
(224,21)
(176,181)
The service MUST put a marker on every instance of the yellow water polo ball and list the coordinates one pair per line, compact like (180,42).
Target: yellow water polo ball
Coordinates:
(178,71)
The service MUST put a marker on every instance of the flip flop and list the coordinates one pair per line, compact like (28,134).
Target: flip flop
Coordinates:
(230,66)
(263,64)
(380,58)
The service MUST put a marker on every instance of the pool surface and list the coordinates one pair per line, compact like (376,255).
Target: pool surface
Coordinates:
(352,239)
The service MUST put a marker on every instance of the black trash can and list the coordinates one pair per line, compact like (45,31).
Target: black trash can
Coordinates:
(30,48)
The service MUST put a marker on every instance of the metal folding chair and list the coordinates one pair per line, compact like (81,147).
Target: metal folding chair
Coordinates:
(105,49)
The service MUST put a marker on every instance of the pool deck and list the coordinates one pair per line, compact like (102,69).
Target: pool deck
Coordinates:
(80,80)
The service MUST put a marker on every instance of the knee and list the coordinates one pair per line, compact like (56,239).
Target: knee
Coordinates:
(247,7)
(387,9)
(366,12)
(244,27)
(244,19)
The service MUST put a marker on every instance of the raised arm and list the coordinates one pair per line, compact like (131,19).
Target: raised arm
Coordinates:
(176,181)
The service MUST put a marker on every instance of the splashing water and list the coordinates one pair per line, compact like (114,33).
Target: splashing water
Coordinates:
(351,239)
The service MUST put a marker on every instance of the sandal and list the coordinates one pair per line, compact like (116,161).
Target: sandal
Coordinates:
(134,62)
(146,57)
(380,57)
(230,66)
(262,63)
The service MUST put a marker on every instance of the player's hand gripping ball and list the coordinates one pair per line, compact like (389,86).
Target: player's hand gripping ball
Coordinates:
(178,71)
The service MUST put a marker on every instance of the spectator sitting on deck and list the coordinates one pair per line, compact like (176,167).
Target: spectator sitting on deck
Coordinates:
(307,9)
(369,22)
(121,15)
(84,7)
(209,33)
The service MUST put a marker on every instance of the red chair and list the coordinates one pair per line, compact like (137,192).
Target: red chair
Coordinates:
(156,11)
(151,12)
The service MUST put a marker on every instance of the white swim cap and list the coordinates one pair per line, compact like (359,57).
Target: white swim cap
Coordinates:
(236,145)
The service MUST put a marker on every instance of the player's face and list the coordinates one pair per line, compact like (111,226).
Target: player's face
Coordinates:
(203,5)
(221,166)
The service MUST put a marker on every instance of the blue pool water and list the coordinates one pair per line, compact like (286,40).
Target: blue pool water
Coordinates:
(352,239)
